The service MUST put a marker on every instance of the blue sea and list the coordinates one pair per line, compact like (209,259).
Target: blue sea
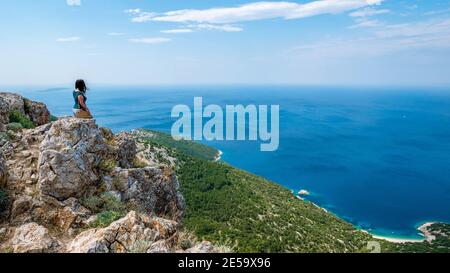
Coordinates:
(377,157)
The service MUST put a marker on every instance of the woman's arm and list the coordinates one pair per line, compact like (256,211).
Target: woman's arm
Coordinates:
(82,104)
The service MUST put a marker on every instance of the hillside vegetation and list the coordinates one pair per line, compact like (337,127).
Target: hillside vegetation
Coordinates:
(248,213)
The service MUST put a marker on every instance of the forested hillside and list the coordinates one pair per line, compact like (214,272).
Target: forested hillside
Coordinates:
(248,213)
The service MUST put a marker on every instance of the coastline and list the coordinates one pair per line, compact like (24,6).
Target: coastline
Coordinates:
(396,240)
(423,229)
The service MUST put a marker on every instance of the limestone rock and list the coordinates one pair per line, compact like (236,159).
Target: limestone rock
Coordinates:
(21,205)
(90,241)
(4,114)
(204,247)
(49,171)
(69,158)
(37,112)
(153,189)
(122,235)
(126,150)
(72,215)
(23,161)
(32,238)
(107,133)
(159,247)
(14,101)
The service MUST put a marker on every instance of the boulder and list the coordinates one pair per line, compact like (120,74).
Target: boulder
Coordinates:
(20,208)
(159,247)
(71,215)
(152,189)
(69,158)
(126,150)
(33,238)
(37,112)
(14,101)
(23,160)
(123,235)
(107,134)
(204,247)
(4,114)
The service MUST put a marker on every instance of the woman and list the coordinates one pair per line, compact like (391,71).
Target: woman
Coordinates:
(80,109)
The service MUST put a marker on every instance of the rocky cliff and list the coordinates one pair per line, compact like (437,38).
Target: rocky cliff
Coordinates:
(71,186)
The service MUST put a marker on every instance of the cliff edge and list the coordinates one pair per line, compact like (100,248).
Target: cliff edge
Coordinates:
(68,185)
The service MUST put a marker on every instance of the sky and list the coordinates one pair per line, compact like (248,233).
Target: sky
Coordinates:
(305,42)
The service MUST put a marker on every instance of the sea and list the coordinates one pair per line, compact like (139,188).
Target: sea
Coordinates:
(376,157)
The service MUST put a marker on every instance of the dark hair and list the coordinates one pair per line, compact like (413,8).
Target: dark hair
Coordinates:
(81,85)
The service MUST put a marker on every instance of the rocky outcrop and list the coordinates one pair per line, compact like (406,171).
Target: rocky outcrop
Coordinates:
(14,102)
(33,238)
(70,156)
(70,215)
(153,189)
(124,235)
(63,178)
(23,160)
(37,112)
(4,114)
(126,150)
(204,247)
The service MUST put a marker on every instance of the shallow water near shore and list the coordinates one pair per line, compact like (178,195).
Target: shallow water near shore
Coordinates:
(376,157)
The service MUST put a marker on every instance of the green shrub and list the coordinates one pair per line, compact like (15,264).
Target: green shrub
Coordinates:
(108,165)
(102,203)
(4,136)
(110,203)
(106,218)
(53,118)
(17,117)
(15,127)
(186,244)
(108,207)
(93,203)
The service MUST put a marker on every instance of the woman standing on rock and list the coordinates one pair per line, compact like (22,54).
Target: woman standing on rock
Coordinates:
(80,108)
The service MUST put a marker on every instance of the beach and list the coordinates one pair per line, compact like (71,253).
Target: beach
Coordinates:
(423,229)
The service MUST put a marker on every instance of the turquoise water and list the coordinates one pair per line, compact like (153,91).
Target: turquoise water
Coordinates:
(376,157)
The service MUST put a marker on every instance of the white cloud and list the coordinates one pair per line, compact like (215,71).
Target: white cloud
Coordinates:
(73,3)
(153,40)
(363,17)
(433,34)
(143,17)
(177,30)
(367,12)
(365,22)
(437,12)
(132,11)
(68,39)
(438,28)
(193,27)
(256,11)
(115,34)
(225,28)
